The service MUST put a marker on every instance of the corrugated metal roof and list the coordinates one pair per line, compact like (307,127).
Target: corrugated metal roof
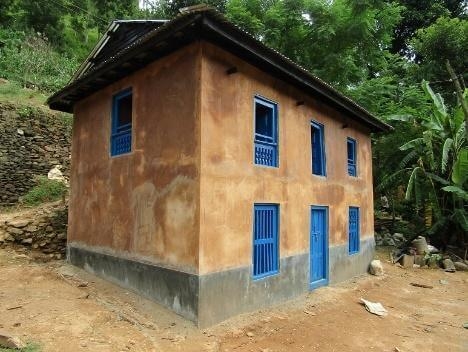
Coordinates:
(145,42)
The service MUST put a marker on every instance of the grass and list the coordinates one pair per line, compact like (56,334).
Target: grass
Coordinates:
(12,92)
(29,101)
(45,191)
(31,347)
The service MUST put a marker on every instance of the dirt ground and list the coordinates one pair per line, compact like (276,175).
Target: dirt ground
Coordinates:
(62,308)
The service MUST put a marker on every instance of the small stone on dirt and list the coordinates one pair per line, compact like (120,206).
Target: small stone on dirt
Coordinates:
(443,282)
(250,334)
(376,268)
(448,265)
(460,266)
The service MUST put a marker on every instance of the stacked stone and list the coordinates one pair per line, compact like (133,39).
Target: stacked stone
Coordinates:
(31,143)
(385,238)
(43,230)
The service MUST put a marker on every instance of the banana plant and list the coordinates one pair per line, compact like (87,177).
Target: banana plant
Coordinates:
(437,165)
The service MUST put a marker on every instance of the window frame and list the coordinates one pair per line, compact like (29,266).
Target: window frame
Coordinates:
(317,126)
(115,132)
(274,143)
(351,163)
(354,248)
(275,240)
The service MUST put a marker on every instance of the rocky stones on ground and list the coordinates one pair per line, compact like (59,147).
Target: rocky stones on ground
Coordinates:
(460,266)
(376,268)
(10,341)
(448,265)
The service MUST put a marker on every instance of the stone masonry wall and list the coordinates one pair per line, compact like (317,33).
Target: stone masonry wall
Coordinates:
(41,229)
(32,142)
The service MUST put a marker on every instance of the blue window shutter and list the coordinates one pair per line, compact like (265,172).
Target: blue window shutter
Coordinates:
(121,124)
(352,159)
(318,149)
(353,230)
(266,132)
(265,248)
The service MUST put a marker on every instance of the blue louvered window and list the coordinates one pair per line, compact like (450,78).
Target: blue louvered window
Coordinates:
(318,149)
(121,136)
(265,248)
(353,230)
(266,132)
(352,160)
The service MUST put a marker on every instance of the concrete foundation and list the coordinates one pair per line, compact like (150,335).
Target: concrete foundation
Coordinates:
(343,266)
(174,289)
(227,293)
(211,298)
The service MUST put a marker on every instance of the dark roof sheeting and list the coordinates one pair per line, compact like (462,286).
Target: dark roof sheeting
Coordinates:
(142,44)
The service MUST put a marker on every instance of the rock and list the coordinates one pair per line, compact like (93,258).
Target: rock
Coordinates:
(419,260)
(9,341)
(460,266)
(30,228)
(389,242)
(20,131)
(376,268)
(15,231)
(407,261)
(250,334)
(398,236)
(27,241)
(19,223)
(62,236)
(443,282)
(448,265)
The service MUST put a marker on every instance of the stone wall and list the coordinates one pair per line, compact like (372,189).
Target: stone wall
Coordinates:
(41,229)
(32,141)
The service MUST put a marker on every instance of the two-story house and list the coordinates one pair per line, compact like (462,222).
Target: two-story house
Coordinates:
(212,174)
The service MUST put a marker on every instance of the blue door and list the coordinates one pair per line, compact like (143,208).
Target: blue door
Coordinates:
(318,247)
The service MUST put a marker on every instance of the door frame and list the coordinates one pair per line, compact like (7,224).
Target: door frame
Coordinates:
(324,281)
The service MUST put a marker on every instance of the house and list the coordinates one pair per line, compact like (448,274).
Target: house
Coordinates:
(212,174)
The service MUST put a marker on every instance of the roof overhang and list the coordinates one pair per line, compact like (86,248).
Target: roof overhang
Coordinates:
(211,26)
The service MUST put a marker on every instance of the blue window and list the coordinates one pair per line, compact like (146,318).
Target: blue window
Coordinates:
(121,136)
(352,160)
(266,132)
(353,232)
(318,149)
(265,248)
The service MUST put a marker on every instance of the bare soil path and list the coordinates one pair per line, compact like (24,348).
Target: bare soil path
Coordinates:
(62,308)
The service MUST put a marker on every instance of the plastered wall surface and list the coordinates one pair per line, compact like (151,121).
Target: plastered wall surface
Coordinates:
(143,205)
(231,183)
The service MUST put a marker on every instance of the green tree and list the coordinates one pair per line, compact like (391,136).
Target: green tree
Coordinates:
(446,39)
(419,14)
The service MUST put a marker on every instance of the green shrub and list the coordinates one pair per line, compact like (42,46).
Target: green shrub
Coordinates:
(45,191)
(30,60)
